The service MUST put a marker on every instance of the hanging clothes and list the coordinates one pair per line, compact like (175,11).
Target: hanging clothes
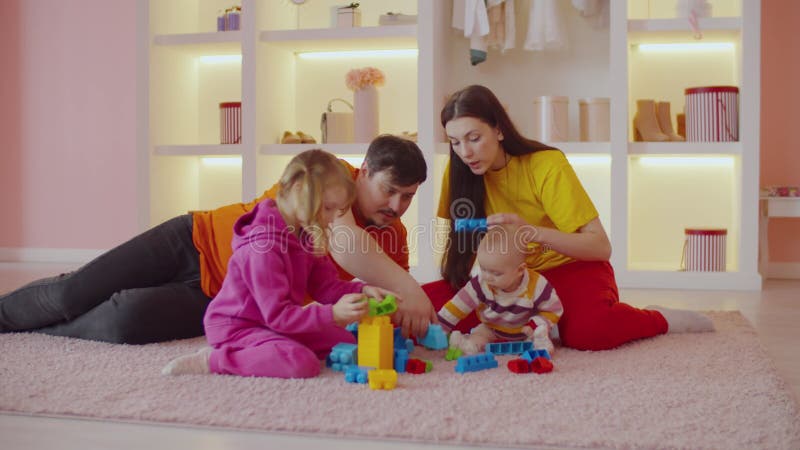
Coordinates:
(472,17)
(546,28)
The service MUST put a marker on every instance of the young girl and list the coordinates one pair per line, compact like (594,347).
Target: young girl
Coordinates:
(258,325)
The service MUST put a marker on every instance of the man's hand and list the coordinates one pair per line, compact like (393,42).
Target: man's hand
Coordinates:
(379,293)
(414,314)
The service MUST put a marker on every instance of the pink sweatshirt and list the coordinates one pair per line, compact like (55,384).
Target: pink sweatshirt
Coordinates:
(268,277)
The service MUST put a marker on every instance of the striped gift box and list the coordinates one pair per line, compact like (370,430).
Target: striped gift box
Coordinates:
(712,114)
(704,250)
(230,122)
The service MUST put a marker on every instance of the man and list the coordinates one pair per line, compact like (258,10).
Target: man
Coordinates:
(156,286)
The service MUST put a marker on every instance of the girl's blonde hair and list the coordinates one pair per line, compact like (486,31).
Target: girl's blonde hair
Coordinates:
(314,170)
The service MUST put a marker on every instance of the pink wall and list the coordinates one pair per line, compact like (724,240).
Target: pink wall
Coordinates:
(68,123)
(780,115)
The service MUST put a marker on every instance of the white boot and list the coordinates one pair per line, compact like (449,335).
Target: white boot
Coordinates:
(683,321)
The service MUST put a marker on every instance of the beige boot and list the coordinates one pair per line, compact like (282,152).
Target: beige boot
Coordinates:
(645,123)
(665,121)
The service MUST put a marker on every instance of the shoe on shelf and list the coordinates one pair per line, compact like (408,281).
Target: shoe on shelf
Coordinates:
(306,138)
(645,123)
(290,138)
(665,121)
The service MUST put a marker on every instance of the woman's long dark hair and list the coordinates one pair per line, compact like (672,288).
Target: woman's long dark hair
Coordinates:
(467,191)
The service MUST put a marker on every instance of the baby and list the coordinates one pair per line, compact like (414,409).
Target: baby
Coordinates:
(506,295)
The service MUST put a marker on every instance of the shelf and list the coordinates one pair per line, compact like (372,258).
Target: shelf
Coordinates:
(220,43)
(199,150)
(679,30)
(685,148)
(569,148)
(393,37)
(293,149)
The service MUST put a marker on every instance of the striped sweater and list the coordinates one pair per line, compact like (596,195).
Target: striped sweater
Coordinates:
(505,312)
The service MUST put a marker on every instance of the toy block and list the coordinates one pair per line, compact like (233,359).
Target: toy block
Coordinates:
(470,225)
(508,348)
(416,366)
(385,307)
(375,343)
(382,379)
(435,339)
(541,365)
(519,365)
(453,353)
(353,328)
(356,374)
(400,359)
(428,366)
(534,353)
(342,355)
(474,363)
(410,345)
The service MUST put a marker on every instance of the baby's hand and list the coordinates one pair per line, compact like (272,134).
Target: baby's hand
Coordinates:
(350,308)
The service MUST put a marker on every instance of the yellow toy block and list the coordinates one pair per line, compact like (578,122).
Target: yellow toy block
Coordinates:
(376,343)
(382,379)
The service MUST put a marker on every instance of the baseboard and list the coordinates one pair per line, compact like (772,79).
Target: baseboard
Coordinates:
(784,270)
(49,255)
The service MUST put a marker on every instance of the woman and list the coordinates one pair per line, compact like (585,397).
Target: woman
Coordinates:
(495,172)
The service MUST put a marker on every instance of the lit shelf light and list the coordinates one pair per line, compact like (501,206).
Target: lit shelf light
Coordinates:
(588,159)
(687,47)
(219,161)
(220,59)
(398,53)
(686,161)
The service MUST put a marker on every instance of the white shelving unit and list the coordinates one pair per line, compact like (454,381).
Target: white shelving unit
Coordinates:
(646,192)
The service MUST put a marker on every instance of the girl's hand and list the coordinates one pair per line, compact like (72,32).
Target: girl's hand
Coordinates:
(378,293)
(350,308)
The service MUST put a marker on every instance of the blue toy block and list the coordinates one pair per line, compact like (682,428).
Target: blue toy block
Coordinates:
(534,353)
(356,374)
(508,348)
(470,225)
(342,356)
(474,363)
(436,339)
(400,360)
(402,343)
(353,328)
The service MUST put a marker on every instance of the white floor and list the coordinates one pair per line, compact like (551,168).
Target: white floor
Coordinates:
(774,312)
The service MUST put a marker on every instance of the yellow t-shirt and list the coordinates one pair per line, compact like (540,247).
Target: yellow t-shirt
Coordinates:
(540,187)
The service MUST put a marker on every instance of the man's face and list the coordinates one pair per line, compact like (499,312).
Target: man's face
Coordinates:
(380,201)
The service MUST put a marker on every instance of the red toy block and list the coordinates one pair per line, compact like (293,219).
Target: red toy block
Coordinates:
(541,365)
(415,366)
(519,365)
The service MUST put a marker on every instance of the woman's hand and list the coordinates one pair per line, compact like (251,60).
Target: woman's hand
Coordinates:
(526,234)
(350,308)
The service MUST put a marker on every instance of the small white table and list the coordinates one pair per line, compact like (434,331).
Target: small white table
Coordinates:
(773,207)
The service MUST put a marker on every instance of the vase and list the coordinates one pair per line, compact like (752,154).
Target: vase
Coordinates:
(365,114)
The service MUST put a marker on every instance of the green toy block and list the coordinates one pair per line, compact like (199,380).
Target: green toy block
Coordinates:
(382,308)
(453,354)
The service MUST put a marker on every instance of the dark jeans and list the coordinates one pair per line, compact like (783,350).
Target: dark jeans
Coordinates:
(146,290)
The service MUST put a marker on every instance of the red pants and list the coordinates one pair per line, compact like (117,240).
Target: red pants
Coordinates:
(594,318)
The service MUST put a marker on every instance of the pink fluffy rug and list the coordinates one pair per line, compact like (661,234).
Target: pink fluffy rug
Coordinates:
(713,390)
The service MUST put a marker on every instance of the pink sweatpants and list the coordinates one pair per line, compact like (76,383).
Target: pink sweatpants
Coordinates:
(261,352)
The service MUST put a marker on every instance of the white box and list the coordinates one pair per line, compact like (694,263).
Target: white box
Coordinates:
(346,17)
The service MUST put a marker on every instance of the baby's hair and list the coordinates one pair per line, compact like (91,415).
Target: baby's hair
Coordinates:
(505,240)
(315,170)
